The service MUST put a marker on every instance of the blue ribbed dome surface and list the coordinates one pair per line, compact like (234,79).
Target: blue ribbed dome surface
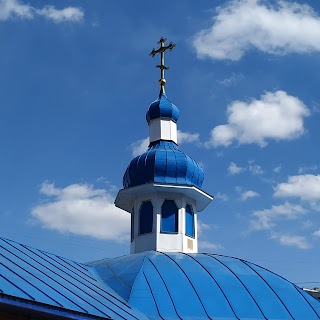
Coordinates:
(163,162)
(204,286)
(162,108)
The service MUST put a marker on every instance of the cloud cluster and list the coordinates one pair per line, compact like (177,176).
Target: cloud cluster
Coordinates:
(266,219)
(141,146)
(276,116)
(15,8)
(293,241)
(252,167)
(235,169)
(306,187)
(245,195)
(82,209)
(207,245)
(242,25)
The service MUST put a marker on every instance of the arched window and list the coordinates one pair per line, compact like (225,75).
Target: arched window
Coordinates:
(146,217)
(132,224)
(169,217)
(189,221)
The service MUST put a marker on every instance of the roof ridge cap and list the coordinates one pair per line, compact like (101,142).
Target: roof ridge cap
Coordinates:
(144,260)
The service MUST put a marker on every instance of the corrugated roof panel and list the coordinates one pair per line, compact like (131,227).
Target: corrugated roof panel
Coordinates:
(52,281)
(294,300)
(161,285)
(207,290)
(158,290)
(267,301)
(186,304)
(202,286)
(143,296)
(120,273)
(242,303)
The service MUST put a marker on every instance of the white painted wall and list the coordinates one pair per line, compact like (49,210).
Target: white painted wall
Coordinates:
(162,129)
(167,242)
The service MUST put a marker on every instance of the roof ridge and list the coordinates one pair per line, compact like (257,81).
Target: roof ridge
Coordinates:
(43,251)
(144,260)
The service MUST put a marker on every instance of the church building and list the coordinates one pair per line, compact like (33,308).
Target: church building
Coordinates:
(164,276)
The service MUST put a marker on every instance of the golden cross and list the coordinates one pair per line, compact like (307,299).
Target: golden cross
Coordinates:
(162,67)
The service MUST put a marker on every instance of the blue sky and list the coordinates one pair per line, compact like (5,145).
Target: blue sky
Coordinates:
(76,81)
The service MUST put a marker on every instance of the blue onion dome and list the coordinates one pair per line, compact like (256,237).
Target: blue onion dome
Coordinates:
(162,108)
(163,162)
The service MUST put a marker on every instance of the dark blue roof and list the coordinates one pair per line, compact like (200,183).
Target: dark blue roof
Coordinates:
(38,280)
(163,162)
(204,286)
(162,108)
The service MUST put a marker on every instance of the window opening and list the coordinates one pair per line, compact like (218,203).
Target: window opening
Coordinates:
(189,221)
(169,217)
(146,217)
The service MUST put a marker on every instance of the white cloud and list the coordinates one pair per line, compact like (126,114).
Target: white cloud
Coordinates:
(306,187)
(266,219)
(245,195)
(255,169)
(207,245)
(221,196)
(307,169)
(277,169)
(141,146)
(242,25)
(234,169)
(82,209)
(15,8)
(186,137)
(293,241)
(316,233)
(231,81)
(276,116)
(201,227)
(11,8)
(71,14)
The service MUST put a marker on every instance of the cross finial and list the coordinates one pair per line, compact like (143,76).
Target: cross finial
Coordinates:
(161,66)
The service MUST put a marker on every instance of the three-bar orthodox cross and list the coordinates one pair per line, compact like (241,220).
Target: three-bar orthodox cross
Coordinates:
(161,66)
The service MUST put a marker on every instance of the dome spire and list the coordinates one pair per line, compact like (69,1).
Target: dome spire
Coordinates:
(162,49)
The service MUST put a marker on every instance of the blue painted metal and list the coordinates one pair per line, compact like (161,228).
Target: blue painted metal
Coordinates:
(163,162)
(148,285)
(203,286)
(162,108)
(51,282)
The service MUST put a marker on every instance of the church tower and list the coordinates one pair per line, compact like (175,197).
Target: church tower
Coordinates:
(162,186)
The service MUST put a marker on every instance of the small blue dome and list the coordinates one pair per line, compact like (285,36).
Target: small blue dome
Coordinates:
(162,108)
(163,162)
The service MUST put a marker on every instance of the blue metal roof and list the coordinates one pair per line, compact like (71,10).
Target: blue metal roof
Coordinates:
(148,285)
(204,286)
(162,108)
(38,280)
(163,162)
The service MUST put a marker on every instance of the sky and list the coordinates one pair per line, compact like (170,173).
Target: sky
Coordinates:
(76,80)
